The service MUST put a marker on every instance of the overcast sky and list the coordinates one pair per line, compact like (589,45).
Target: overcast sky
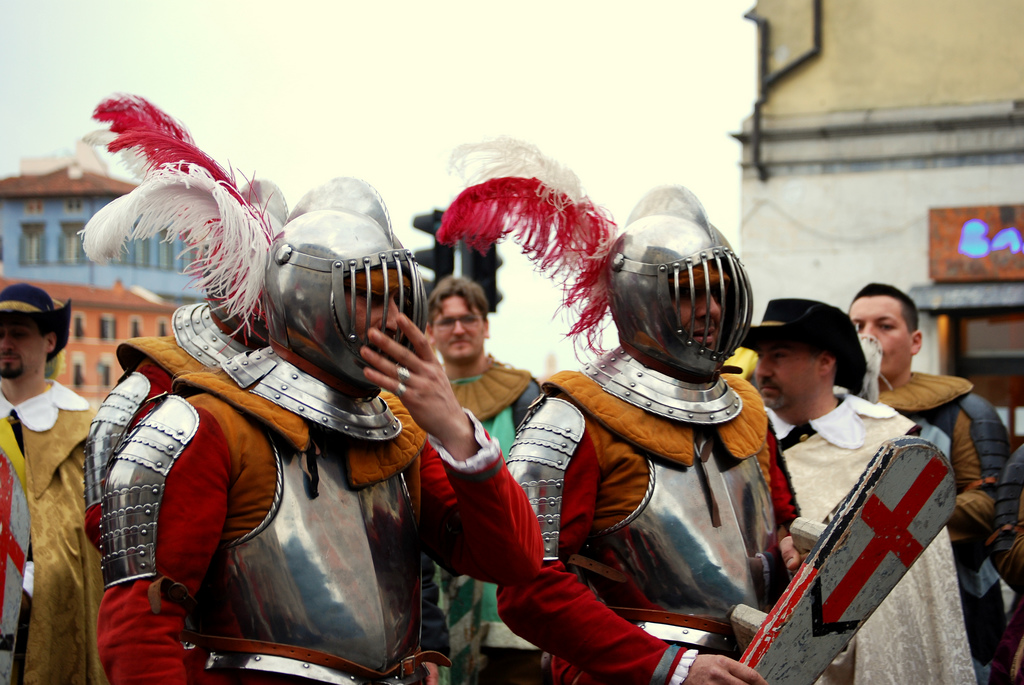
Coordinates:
(628,95)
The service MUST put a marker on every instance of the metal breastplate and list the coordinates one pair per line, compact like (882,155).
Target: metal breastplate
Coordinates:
(672,555)
(196,333)
(701,403)
(332,569)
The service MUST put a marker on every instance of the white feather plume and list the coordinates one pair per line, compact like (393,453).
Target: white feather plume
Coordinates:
(229,240)
(510,157)
(873,355)
(133,158)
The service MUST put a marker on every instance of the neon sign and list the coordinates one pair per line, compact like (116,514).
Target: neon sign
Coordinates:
(974,241)
(975,244)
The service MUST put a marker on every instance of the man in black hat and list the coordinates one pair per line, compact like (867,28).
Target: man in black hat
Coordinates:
(805,349)
(43,435)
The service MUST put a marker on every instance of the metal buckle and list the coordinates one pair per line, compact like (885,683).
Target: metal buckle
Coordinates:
(407,666)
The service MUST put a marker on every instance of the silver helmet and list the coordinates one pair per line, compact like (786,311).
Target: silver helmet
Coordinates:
(336,256)
(668,254)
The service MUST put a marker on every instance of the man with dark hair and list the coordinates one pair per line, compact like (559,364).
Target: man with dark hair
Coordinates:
(806,348)
(499,396)
(44,434)
(967,429)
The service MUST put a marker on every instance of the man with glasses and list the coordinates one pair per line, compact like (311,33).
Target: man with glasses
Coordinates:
(498,395)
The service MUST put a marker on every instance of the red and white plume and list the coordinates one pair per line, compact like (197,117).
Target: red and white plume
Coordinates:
(185,194)
(514,189)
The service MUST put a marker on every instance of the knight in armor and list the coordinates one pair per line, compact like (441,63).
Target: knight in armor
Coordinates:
(649,469)
(270,515)
(968,430)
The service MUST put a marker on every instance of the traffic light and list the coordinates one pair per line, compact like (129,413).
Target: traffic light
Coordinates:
(441,258)
(483,268)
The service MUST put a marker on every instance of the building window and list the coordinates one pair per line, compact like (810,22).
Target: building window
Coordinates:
(78,370)
(79,325)
(161,328)
(135,326)
(34,206)
(71,251)
(31,243)
(73,205)
(165,252)
(108,327)
(104,373)
(138,252)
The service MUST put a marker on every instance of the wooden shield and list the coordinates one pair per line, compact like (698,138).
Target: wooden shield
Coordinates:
(902,501)
(14,533)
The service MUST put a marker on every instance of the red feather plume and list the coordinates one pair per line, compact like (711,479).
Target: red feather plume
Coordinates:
(132,112)
(569,241)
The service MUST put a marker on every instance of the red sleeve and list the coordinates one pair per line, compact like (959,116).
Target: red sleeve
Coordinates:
(560,615)
(159,380)
(783,499)
(136,645)
(482,525)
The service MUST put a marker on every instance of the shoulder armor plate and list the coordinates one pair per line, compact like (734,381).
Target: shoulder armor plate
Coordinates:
(538,458)
(705,404)
(196,333)
(1007,510)
(107,430)
(267,375)
(989,437)
(135,488)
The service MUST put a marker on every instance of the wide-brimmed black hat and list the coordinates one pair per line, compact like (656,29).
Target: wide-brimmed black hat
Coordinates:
(37,303)
(817,324)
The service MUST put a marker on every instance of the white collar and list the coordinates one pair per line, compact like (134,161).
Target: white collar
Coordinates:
(39,413)
(843,426)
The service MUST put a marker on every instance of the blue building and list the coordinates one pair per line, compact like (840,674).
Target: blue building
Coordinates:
(43,209)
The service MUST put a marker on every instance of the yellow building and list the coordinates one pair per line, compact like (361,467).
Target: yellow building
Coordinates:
(887,144)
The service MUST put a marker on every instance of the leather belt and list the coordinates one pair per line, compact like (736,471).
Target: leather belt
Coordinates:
(708,625)
(403,668)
